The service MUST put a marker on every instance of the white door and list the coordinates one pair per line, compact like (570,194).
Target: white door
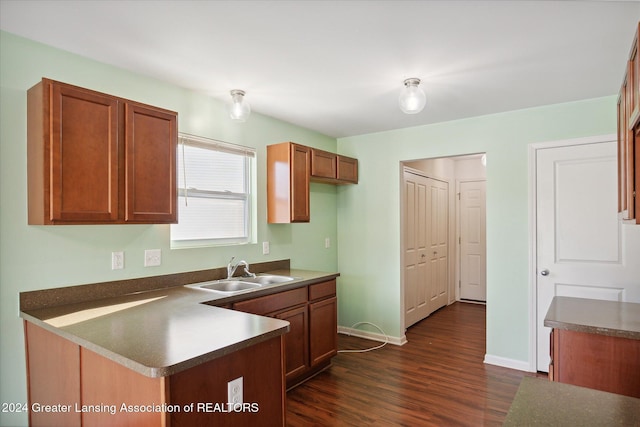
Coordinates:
(438,241)
(425,256)
(415,248)
(473,248)
(578,233)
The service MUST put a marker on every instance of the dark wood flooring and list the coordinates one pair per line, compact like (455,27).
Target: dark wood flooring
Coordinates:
(437,379)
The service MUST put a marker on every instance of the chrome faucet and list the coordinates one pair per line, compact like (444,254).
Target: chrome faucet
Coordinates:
(231,268)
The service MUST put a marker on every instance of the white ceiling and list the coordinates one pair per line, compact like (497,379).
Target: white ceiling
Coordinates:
(337,66)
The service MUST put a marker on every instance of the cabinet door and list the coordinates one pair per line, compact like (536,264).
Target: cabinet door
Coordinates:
(622,152)
(296,342)
(347,169)
(300,165)
(636,172)
(323,330)
(323,164)
(83,156)
(634,81)
(629,153)
(288,183)
(150,177)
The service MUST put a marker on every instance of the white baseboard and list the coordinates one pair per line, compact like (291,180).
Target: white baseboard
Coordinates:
(372,335)
(507,363)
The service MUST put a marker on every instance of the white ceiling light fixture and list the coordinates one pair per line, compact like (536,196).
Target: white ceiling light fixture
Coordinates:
(412,99)
(239,108)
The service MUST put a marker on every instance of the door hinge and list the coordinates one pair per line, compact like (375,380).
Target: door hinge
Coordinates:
(458,196)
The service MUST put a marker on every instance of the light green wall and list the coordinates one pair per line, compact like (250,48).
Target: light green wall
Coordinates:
(38,257)
(369,214)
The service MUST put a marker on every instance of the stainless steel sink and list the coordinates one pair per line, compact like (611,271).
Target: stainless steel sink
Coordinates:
(241,284)
(228,286)
(267,279)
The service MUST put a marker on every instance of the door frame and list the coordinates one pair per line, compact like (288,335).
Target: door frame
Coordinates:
(533,229)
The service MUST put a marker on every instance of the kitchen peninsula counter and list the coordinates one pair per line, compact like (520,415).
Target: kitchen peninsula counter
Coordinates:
(164,331)
(155,351)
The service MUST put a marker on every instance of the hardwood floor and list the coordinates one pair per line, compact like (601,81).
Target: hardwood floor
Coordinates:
(437,379)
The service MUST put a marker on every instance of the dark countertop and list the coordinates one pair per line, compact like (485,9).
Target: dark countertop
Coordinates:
(164,331)
(539,402)
(613,318)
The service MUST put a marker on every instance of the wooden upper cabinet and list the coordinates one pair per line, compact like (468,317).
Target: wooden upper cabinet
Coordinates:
(93,158)
(290,168)
(628,126)
(333,168)
(288,172)
(72,155)
(347,169)
(150,141)
(323,164)
(622,151)
(633,79)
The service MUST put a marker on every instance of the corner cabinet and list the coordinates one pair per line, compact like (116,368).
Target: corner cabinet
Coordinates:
(290,168)
(93,158)
(629,136)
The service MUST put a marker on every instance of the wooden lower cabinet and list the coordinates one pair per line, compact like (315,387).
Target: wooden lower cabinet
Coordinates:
(296,342)
(323,330)
(96,391)
(596,361)
(312,339)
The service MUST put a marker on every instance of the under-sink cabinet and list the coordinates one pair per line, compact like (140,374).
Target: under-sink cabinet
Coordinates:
(312,339)
(94,158)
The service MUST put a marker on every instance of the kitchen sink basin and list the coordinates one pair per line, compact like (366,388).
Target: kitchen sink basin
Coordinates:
(241,284)
(267,279)
(228,286)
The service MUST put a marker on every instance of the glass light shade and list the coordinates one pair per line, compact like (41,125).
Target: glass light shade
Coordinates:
(239,109)
(412,99)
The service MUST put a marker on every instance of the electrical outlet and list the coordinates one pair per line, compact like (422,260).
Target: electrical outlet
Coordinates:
(234,391)
(327,243)
(265,248)
(152,257)
(117,260)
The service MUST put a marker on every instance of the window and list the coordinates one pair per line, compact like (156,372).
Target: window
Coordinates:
(215,197)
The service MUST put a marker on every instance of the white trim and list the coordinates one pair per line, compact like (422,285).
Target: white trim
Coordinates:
(372,335)
(520,365)
(533,232)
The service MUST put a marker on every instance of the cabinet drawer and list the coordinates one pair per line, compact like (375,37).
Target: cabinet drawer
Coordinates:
(322,290)
(272,303)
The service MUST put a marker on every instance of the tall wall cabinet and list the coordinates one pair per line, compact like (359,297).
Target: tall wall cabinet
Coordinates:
(629,136)
(94,158)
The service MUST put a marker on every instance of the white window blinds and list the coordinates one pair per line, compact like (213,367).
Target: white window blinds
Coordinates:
(214,192)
